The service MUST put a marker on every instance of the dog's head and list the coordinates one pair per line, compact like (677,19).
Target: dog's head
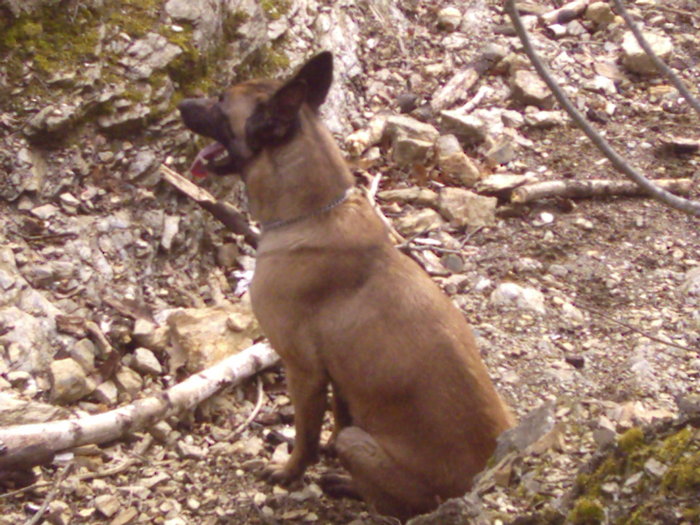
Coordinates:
(251,116)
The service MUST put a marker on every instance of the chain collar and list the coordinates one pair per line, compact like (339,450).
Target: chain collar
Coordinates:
(273,225)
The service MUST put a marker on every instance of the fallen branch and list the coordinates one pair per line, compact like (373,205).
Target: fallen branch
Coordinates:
(226,213)
(60,435)
(691,207)
(579,189)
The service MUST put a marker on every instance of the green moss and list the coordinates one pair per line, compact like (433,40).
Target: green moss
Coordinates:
(275,9)
(51,39)
(135,18)
(264,63)
(587,512)
(682,453)
(232,22)
(631,440)
(677,449)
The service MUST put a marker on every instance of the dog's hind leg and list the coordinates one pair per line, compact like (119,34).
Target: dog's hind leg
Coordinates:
(382,482)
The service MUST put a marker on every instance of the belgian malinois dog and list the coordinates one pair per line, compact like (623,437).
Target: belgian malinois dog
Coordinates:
(416,415)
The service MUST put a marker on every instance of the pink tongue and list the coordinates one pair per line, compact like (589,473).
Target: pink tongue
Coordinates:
(199,166)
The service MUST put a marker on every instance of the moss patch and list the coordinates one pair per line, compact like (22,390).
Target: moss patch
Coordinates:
(275,9)
(643,496)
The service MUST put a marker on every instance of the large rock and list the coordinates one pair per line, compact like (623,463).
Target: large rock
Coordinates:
(201,337)
(15,411)
(148,54)
(400,126)
(27,339)
(635,58)
(469,129)
(465,208)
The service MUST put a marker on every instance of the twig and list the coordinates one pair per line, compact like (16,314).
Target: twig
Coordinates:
(226,213)
(685,205)
(660,65)
(374,188)
(468,106)
(629,326)
(136,457)
(50,496)
(258,405)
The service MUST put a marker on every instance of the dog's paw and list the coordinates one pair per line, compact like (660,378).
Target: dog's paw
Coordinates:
(280,475)
(338,485)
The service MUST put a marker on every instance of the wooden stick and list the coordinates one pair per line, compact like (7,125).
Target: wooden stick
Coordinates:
(226,213)
(99,428)
(578,189)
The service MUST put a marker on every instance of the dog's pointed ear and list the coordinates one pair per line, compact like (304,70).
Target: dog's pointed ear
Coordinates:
(317,74)
(287,100)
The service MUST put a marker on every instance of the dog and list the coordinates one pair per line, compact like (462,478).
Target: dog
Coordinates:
(416,414)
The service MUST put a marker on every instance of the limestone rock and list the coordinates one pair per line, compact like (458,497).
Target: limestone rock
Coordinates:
(600,13)
(106,393)
(15,411)
(528,89)
(148,54)
(400,126)
(201,337)
(27,339)
(128,380)
(412,195)
(457,88)
(146,362)
(69,382)
(469,129)
(83,352)
(512,294)
(449,18)
(407,151)
(465,208)
(635,58)
(107,505)
(454,163)
(419,221)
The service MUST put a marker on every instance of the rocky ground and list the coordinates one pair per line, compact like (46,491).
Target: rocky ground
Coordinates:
(586,310)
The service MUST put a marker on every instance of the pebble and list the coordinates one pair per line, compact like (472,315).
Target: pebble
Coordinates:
(145,361)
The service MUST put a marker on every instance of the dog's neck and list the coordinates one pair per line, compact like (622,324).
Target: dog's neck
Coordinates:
(300,178)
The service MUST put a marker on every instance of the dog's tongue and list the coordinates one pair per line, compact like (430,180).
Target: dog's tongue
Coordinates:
(199,166)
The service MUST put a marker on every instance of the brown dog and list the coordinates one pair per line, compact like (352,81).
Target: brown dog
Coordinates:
(416,413)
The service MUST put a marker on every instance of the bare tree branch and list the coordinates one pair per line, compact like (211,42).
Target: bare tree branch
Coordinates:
(577,189)
(685,205)
(226,213)
(675,79)
(99,428)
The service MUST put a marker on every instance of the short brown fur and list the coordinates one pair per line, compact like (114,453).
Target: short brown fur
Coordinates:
(416,413)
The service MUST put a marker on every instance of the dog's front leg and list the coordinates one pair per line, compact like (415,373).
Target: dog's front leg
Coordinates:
(308,394)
